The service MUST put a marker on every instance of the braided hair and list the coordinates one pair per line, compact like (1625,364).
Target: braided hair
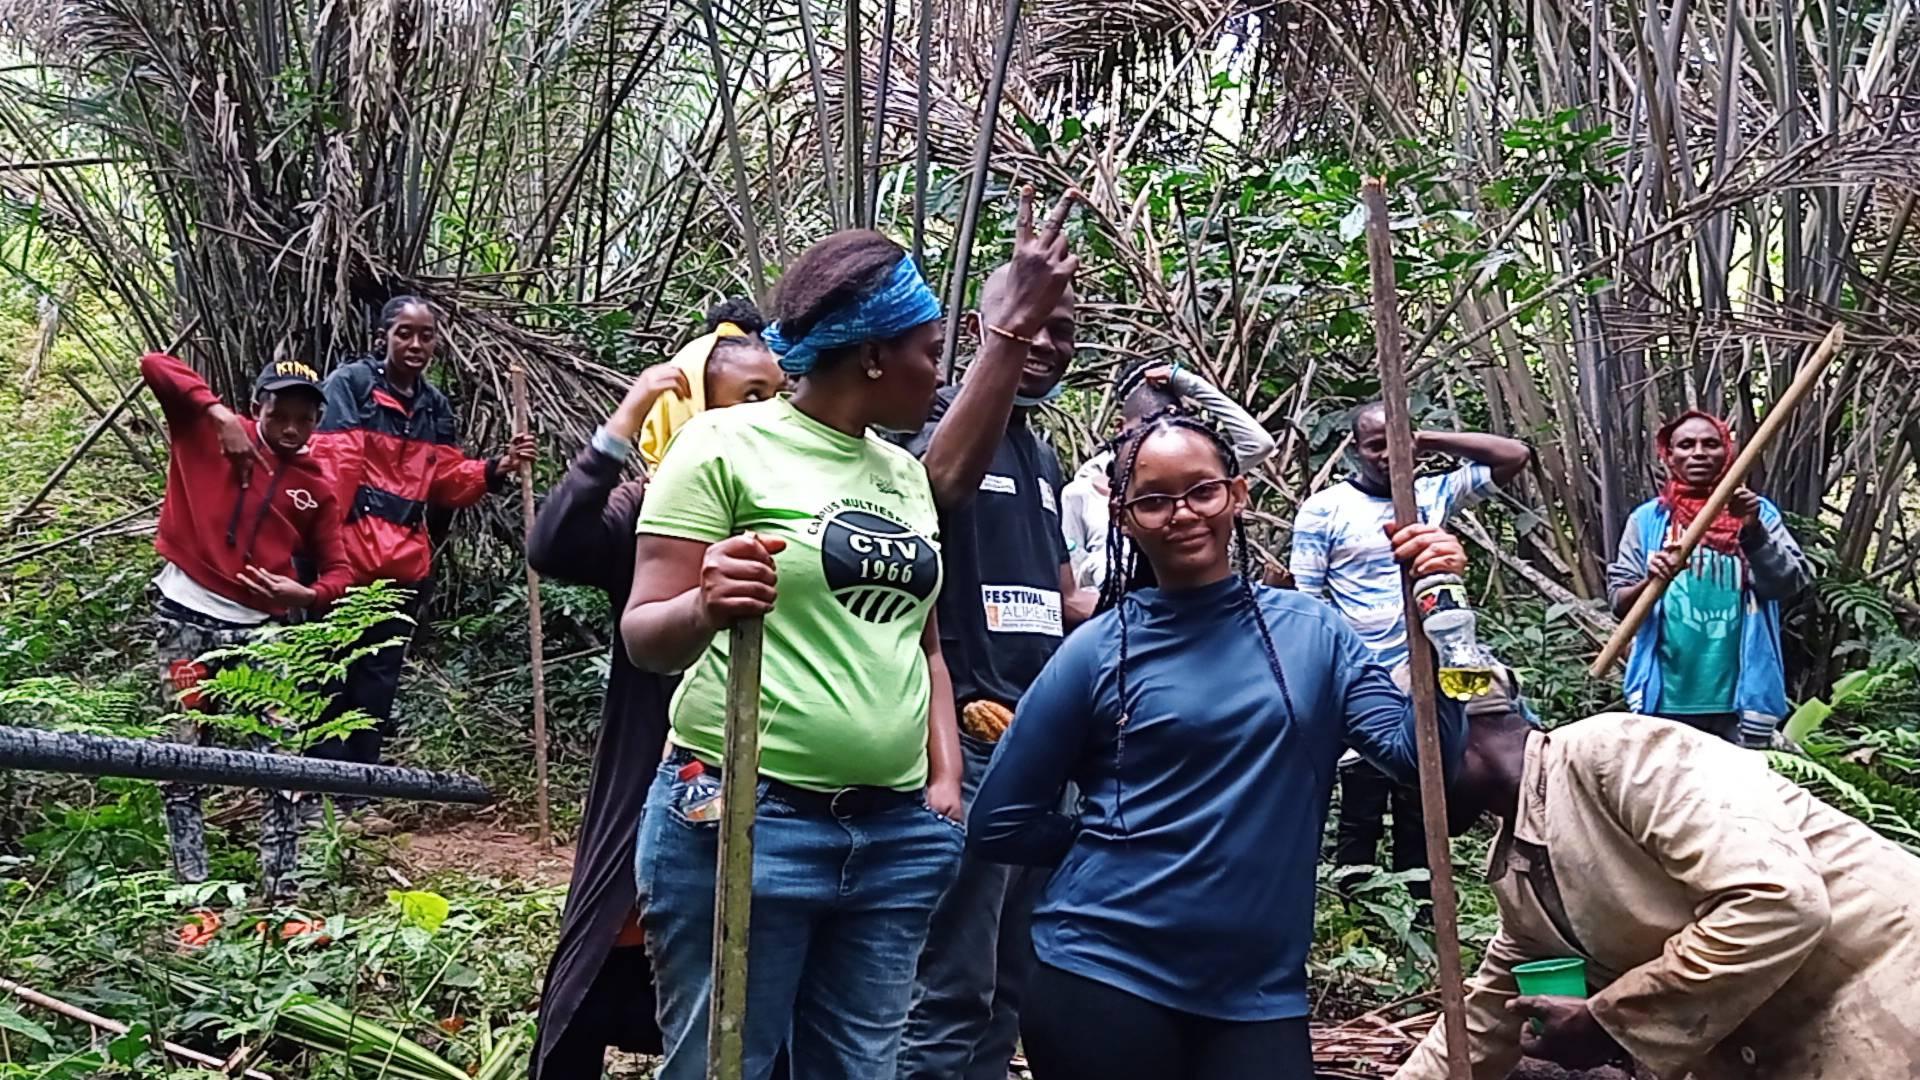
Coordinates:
(1126,572)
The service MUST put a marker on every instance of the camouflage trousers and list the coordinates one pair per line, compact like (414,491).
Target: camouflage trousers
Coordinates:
(181,638)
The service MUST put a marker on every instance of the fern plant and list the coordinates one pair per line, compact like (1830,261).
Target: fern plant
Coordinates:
(279,685)
(1862,749)
(62,704)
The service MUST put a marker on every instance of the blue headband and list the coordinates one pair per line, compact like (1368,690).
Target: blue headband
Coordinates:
(901,303)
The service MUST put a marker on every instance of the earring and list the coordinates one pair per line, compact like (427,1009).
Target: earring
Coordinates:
(873,373)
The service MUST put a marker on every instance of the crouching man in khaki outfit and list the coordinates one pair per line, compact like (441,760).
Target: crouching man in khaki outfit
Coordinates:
(1732,924)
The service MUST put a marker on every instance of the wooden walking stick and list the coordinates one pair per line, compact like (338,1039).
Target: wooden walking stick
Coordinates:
(1426,717)
(733,884)
(1803,384)
(521,425)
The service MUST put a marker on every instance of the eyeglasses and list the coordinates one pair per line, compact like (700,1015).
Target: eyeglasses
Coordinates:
(1208,498)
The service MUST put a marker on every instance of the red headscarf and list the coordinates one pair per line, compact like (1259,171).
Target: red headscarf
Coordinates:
(1724,535)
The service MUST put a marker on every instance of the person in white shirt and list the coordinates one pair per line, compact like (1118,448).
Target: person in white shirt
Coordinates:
(1341,555)
(1145,390)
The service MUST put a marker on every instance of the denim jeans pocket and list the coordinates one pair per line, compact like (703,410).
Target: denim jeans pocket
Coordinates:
(959,827)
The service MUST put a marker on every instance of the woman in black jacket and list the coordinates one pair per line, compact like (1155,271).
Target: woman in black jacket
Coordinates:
(599,988)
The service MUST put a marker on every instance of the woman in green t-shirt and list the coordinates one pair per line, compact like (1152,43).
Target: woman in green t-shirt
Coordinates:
(857,830)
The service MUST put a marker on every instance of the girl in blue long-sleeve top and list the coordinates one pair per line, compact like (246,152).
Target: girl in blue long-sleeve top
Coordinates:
(1201,721)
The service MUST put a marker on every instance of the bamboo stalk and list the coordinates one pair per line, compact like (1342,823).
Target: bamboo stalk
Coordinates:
(829,170)
(1802,385)
(521,425)
(977,187)
(749,229)
(55,545)
(1433,792)
(853,80)
(75,1012)
(872,211)
(92,436)
(139,453)
(920,149)
(733,883)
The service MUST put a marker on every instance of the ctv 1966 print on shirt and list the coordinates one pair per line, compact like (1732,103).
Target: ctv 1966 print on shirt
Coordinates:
(876,567)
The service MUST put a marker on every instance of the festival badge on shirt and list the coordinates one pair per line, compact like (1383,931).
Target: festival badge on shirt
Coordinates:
(1020,609)
(876,567)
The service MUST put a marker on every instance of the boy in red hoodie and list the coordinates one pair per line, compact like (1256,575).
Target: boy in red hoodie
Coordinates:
(246,502)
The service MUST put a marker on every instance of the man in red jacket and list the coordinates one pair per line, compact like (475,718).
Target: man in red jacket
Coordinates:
(246,504)
(389,442)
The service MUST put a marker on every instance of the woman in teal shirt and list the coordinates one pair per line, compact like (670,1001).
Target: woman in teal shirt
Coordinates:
(1709,654)
(857,830)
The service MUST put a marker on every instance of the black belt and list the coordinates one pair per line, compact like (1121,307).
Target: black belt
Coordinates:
(848,802)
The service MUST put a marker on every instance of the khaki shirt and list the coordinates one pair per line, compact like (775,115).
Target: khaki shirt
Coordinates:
(1733,925)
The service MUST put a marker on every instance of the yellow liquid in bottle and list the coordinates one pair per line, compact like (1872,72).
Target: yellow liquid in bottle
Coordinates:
(1465,683)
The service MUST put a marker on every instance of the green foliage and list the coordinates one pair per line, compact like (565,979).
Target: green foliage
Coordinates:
(276,686)
(1862,749)
(1373,943)
(59,703)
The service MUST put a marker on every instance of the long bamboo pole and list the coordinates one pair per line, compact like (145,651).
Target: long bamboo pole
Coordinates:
(522,423)
(93,434)
(871,215)
(55,545)
(828,169)
(139,453)
(1803,384)
(733,884)
(923,61)
(743,199)
(74,1012)
(1426,717)
(976,189)
(852,97)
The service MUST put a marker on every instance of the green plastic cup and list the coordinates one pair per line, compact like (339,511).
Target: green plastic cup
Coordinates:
(1562,977)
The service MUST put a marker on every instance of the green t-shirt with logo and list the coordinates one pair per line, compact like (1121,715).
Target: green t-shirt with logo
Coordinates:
(1700,636)
(843,683)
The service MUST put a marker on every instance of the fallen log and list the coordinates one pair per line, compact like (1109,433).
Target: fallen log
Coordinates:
(144,759)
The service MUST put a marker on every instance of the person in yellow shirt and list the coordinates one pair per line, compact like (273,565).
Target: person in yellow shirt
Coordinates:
(726,366)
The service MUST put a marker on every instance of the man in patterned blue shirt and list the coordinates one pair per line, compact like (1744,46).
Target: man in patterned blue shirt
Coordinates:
(1341,555)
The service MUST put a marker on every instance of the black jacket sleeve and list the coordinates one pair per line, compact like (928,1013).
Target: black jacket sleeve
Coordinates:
(583,533)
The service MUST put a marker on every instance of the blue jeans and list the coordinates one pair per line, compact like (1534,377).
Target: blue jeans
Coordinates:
(966,997)
(840,911)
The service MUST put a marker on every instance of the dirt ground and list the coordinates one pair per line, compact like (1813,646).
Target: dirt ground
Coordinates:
(481,847)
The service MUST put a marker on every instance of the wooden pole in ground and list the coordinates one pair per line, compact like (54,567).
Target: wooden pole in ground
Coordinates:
(1803,384)
(1426,714)
(733,883)
(522,423)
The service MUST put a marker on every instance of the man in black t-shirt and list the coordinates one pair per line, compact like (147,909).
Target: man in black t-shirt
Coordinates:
(1007,602)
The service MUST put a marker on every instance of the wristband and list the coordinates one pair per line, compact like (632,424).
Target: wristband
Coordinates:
(1008,334)
(611,445)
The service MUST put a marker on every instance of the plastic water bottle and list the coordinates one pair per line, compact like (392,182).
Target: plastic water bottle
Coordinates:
(1465,666)
(701,800)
